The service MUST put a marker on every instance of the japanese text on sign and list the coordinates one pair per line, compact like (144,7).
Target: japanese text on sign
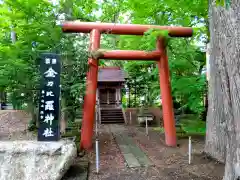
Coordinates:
(49,102)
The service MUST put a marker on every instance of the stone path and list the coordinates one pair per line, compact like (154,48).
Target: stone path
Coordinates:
(124,150)
(133,155)
(113,165)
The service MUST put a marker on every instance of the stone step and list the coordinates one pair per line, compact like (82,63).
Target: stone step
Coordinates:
(112,122)
(120,110)
(112,117)
(111,112)
(117,120)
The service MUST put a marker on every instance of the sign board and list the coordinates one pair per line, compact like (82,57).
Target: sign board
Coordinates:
(49,126)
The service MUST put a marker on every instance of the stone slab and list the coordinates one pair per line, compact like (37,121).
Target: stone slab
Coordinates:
(125,149)
(119,140)
(127,146)
(137,152)
(28,160)
(141,157)
(131,160)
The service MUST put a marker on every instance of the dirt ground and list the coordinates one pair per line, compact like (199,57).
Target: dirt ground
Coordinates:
(13,125)
(169,163)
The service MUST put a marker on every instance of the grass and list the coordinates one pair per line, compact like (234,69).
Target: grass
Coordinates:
(194,126)
(189,126)
(161,129)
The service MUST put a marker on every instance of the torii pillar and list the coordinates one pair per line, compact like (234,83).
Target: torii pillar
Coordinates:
(160,56)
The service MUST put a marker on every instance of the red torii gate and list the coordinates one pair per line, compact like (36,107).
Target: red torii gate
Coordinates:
(160,55)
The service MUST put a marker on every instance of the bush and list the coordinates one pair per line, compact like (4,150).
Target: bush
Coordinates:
(189,126)
(193,126)
(32,125)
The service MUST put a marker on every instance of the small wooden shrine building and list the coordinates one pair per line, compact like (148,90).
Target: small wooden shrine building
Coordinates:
(109,94)
(110,83)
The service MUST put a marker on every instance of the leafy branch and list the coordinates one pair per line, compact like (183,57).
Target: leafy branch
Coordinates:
(156,33)
(223,3)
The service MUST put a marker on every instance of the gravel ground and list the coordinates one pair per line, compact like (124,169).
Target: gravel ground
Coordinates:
(13,125)
(177,158)
(169,163)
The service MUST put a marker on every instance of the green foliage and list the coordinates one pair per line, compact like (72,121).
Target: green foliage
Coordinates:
(190,125)
(223,3)
(32,126)
(220,3)
(186,61)
(155,33)
(193,126)
(228,3)
(34,22)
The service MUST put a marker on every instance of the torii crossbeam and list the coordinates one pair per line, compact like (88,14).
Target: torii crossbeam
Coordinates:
(159,55)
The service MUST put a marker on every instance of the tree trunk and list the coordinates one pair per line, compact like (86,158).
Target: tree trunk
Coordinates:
(34,113)
(215,144)
(63,117)
(129,96)
(224,87)
(135,93)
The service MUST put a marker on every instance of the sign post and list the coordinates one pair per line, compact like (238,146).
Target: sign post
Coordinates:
(49,128)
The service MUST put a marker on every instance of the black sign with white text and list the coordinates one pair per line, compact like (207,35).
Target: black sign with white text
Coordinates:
(50,68)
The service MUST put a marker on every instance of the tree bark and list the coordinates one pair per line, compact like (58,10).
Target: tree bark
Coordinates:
(215,144)
(63,116)
(34,113)
(129,96)
(224,87)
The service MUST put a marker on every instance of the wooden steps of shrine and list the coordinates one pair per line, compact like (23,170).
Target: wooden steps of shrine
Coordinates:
(112,116)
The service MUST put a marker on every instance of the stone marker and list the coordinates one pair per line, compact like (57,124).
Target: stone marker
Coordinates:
(34,160)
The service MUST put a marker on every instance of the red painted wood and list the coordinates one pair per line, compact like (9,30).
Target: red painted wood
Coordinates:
(130,55)
(123,29)
(167,104)
(126,29)
(90,97)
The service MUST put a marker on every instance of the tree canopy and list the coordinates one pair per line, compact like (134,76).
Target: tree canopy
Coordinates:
(31,27)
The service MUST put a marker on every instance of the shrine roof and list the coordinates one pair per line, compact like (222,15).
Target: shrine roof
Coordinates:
(111,74)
